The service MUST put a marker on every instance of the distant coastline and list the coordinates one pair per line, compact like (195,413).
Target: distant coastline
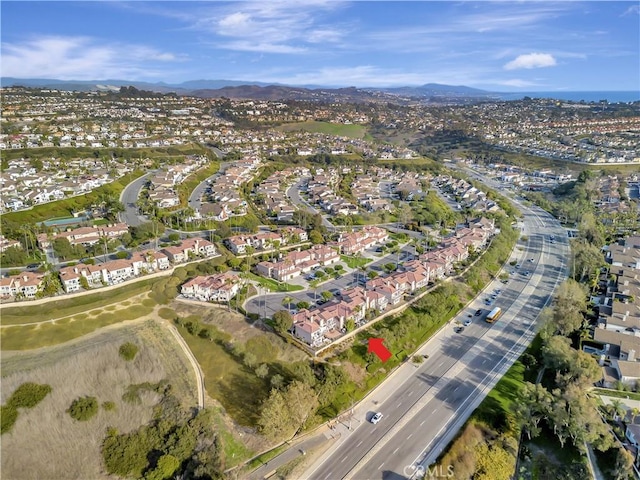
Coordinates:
(596,96)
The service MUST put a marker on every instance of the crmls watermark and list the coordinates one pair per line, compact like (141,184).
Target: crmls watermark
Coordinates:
(419,472)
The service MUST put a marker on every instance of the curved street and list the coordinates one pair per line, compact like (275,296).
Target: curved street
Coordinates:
(129,196)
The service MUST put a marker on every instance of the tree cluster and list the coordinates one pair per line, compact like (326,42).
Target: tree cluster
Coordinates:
(174,444)
(27,395)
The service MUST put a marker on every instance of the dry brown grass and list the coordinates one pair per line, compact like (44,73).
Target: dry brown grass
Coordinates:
(45,441)
(237,326)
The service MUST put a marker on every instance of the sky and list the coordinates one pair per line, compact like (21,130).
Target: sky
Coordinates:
(493,45)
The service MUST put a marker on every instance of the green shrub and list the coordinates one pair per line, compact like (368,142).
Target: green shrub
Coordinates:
(128,351)
(28,395)
(83,408)
(8,416)
(108,406)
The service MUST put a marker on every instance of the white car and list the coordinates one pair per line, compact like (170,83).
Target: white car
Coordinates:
(376,418)
(467,323)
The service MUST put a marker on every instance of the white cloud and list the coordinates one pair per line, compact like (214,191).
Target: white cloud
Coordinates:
(531,60)
(82,58)
(632,10)
(269,27)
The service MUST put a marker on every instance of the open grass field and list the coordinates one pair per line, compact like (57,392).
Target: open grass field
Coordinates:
(337,129)
(73,306)
(45,441)
(63,329)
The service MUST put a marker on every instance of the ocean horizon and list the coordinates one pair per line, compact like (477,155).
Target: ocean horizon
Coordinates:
(578,96)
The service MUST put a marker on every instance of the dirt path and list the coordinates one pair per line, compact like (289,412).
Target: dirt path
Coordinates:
(192,359)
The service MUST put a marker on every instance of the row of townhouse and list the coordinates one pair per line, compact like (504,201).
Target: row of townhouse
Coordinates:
(25,284)
(221,287)
(264,240)
(85,235)
(112,272)
(352,243)
(293,264)
(326,323)
(618,330)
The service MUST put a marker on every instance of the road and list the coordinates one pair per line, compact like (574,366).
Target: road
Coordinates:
(293,192)
(129,197)
(425,405)
(195,198)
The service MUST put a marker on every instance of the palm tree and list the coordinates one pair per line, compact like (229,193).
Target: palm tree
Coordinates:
(633,413)
(618,409)
(287,301)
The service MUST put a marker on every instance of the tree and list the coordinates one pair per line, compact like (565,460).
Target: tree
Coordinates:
(624,465)
(83,408)
(282,321)
(326,295)
(284,413)
(262,371)
(302,305)
(350,324)
(287,301)
(570,304)
(372,274)
(277,381)
(533,404)
(316,237)
(128,351)
(250,359)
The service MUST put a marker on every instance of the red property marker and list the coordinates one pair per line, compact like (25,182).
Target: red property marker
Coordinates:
(376,346)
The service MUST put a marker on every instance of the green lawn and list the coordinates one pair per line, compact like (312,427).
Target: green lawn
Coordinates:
(72,306)
(617,393)
(226,379)
(337,129)
(354,262)
(496,407)
(28,337)
(273,285)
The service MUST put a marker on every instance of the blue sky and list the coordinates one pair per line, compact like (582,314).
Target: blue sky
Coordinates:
(500,46)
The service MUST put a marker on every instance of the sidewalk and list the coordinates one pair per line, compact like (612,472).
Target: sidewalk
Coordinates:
(295,450)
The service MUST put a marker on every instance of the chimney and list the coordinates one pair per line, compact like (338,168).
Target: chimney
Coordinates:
(631,356)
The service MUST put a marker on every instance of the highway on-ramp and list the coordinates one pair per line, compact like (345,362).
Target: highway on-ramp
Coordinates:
(425,405)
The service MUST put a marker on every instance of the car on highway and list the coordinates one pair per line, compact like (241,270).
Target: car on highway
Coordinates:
(458,329)
(376,418)
(467,323)
(478,312)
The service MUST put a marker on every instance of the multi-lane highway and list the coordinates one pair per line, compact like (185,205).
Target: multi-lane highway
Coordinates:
(424,406)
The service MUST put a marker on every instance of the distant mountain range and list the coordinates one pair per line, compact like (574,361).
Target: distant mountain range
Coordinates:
(264,91)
